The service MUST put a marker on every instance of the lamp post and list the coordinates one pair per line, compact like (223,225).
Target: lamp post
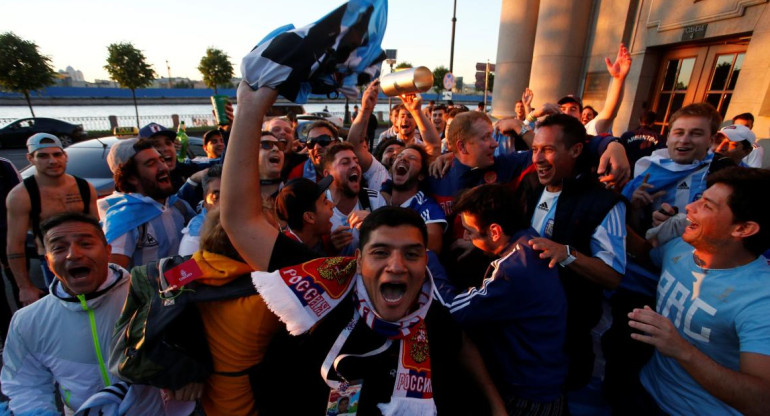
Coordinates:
(391,60)
(452,48)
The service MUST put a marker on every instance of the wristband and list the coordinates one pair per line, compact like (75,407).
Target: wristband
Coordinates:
(531,118)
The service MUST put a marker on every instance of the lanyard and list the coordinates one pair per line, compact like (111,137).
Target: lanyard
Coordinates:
(333,359)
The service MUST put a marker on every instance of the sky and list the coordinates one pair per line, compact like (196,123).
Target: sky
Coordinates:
(77,32)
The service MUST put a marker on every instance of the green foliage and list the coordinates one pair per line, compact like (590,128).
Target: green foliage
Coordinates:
(216,69)
(22,67)
(438,78)
(127,66)
(404,65)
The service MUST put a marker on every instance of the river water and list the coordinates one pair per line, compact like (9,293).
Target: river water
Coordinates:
(61,111)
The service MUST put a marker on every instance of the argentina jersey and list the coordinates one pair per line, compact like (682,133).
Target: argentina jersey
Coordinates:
(608,242)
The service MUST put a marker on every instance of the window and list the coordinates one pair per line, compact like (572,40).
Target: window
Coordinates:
(695,74)
(725,74)
(674,88)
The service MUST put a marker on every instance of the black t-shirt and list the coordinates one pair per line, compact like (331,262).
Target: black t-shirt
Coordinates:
(640,143)
(288,252)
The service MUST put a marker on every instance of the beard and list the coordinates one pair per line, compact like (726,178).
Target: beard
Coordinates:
(348,191)
(155,191)
(408,184)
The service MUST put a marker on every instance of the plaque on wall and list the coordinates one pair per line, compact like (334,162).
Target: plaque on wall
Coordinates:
(596,86)
(694,32)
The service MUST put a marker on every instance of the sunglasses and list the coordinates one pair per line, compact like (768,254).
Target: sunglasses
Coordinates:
(268,144)
(322,140)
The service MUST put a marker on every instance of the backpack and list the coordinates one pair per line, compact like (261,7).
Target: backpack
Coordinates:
(159,340)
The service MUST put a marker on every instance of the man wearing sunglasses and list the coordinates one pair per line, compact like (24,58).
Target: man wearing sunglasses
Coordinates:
(320,135)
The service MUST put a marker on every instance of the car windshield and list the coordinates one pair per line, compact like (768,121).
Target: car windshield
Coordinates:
(88,162)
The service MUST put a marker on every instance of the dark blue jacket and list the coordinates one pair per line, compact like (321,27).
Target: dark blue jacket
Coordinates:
(518,319)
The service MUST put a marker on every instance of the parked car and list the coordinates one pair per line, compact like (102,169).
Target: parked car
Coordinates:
(304,121)
(284,109)
(336,120)
(17,133)
(88,160)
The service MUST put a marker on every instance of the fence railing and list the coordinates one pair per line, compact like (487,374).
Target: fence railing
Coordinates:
(108,123)
(170,121)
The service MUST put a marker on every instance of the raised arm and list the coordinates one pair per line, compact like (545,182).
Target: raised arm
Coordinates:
(618,71)
(430,137)
(526,99)
(357,132)
(241,198)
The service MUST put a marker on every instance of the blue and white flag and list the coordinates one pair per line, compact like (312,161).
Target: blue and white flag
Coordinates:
(665,174)
(330,56)
(124,212)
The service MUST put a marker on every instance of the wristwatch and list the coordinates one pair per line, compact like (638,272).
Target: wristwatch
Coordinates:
(570,257)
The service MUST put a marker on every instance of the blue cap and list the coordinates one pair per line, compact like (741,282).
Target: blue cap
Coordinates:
(155,129)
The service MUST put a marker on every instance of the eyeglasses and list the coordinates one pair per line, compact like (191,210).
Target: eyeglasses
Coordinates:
(322,140)
(268,144)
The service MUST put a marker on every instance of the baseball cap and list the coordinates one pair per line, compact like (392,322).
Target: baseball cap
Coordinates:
(209,136)
(155,129)
(120,153)
(738,133)
(570,99)
(299,196)
(41,141)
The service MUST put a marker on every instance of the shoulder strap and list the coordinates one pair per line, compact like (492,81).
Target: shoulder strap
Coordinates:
(85,192)
(34,205)
(363,198)
(186,213)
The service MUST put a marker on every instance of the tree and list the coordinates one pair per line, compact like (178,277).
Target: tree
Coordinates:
(438,78)
(127,66)
(216,69)
(404,65)
(22,67)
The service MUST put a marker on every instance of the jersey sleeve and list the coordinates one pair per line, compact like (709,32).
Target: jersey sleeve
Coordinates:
(608,242)
(376,175)
(25,380)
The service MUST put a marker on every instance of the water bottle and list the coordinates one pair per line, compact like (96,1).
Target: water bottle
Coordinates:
(181,135)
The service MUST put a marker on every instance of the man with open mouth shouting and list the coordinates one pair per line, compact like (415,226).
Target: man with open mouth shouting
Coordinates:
(375,327)
(58,346)
(352,201)
(142,219)
(709,324)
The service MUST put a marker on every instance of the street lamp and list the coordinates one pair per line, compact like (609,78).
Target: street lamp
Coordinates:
(390,55)
(452,49)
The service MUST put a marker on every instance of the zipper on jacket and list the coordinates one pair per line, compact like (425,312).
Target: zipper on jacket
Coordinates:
(95,337)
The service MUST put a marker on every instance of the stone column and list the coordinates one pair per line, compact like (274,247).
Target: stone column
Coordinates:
(560,44)
(516,40)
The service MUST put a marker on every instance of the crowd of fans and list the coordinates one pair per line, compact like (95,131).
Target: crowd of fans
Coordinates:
(450,265)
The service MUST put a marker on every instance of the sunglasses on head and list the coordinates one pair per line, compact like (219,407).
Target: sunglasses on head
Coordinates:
(322,140)
(268,144)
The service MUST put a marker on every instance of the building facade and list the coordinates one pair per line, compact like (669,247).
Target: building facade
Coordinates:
(684,51)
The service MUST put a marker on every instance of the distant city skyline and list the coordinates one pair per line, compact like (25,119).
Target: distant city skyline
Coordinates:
(76,33)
